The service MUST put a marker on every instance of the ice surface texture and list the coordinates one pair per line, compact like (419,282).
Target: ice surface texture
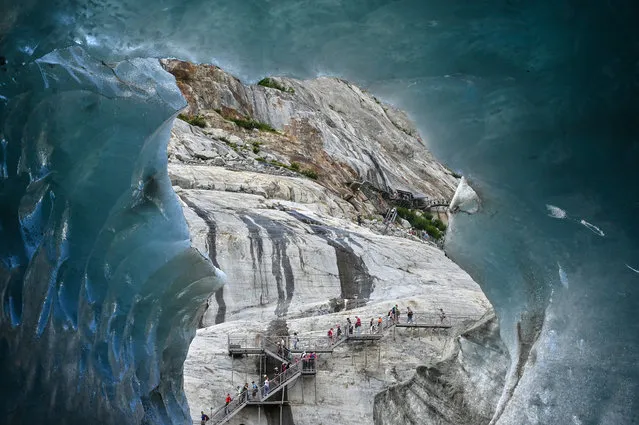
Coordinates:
(100,290)
(535,102)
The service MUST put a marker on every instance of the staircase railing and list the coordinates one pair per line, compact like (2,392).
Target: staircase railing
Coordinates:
(436,319)
(226,412)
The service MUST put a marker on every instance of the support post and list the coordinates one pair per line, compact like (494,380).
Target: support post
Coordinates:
(366,358)
(302,378)
(232,357)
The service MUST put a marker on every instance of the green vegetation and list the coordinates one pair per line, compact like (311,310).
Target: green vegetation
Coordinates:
(250,124)
(230,144)
(196,120)
(309,173)
(269,82)
(456,175)
(279,164)
(435,228)
(295,167)
(439,224)
(256,147)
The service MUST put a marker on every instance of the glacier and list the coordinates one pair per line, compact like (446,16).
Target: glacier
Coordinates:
(533,101)
(96,257)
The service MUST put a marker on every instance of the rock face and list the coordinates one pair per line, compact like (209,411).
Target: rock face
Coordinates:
(328,125)
(462,389)
(294,257)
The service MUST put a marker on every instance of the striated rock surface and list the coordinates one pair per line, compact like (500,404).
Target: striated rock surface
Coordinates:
(330,126)
(462,389)
(297,261)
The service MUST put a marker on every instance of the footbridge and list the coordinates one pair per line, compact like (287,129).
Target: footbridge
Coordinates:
(299,352)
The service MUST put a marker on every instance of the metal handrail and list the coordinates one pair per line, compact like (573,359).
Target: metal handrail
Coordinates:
(225,412)
(318,343)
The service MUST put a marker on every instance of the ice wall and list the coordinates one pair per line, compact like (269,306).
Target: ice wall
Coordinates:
(533,101)
(100,291)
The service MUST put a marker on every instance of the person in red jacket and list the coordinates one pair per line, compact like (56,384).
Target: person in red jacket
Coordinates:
(226,405)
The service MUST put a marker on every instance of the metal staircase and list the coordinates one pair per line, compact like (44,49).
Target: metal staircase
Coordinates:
(267,346)
(277,384)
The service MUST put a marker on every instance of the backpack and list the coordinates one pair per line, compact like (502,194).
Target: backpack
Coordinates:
(205,418)
(330,332)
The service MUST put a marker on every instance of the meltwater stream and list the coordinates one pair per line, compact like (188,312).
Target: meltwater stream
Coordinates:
(533,101)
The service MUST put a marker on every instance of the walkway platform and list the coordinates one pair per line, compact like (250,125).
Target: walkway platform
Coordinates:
(236,350)
(266,403)
(422,326)
(280,347)
(365,337)
(312,350)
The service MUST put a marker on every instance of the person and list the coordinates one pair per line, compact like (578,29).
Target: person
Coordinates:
(349,326)
(379,324)
(396,314)
(226,403)
(393,314)
(359,219)
(311,361)
(284,367)
(245,392)
(442,315)
(371,326)
(409,313)
(254,386)
(339,331)
(296,340)
(266,386)
(205,418)
(330,336)
(358,324)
